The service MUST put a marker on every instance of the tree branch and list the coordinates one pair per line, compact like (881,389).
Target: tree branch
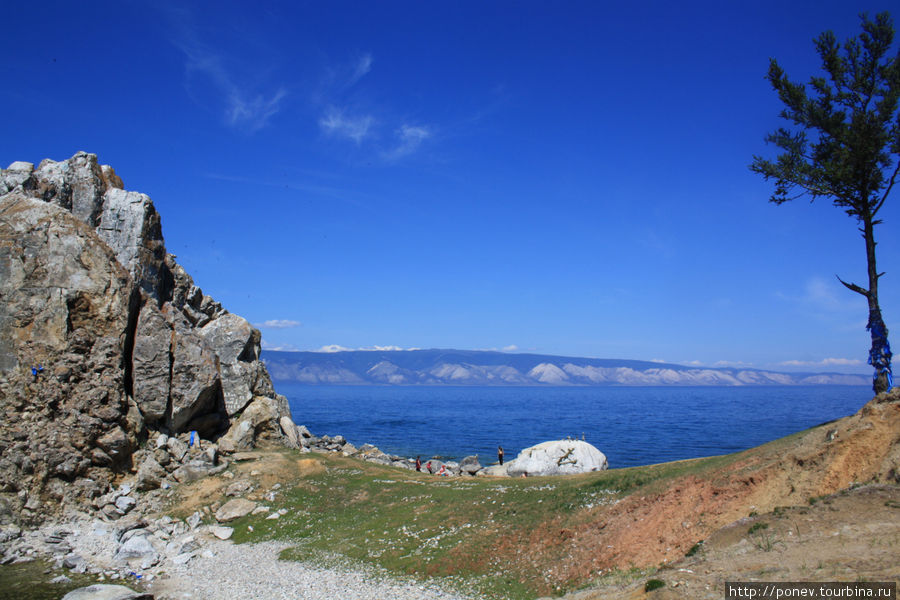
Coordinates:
(888,190)
(853,287)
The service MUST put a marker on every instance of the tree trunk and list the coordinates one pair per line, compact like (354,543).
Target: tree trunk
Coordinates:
(880,352)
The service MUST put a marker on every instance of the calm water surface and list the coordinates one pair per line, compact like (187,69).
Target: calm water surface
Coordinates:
(631,425)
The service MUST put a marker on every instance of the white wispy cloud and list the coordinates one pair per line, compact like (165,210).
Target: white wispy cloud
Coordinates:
(824,296)
(254,112)
(334,122)
(510,348)
(376,348)
(333,348)
(732,363)
(279,347)
(244,101)
(842,361)
(825,362)
(348,114)
(408,139)
(278,324)
(363,66)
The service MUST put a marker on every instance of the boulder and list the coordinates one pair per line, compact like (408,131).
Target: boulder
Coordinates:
(290,431)
(562,457)
(137,547)
(150,475)
(124,504)
(470,465)
(101,591)
(181,545)
(191,471)
(234,509)
(239,487)
(221,532)
(236,343)
(195,383)
(260,421)
(151,363)
(432,466)
(177,448)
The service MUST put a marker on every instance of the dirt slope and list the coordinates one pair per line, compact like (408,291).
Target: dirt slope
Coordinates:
(848,536)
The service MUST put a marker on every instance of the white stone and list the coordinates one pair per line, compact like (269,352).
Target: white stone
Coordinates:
(182,559)
(223,533)
(562,457)
(290,431)
(125,503)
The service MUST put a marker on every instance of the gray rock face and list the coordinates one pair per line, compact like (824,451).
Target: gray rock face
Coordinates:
(152,363)
(130,225)
(237,345)
(195,383)
(64,304)
(563,457)
(125,339)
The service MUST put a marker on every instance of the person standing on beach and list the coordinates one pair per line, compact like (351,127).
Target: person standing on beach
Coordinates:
(418,463)
(500,454)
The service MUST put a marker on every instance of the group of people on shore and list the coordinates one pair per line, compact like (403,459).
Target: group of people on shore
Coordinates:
(443,469)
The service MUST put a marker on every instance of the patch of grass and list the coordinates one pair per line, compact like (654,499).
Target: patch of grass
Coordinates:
(764,540)
(31,581)
(757,527)
(892,504)
(475,533)
(627,480)
(695,548)
(654,584)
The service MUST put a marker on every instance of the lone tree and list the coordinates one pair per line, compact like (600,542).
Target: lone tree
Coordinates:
(844,144)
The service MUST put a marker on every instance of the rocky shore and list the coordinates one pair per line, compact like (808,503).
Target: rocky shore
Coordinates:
(124,536)
(468,466)
(558,457)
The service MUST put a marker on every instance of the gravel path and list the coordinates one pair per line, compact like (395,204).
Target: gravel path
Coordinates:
(253,572)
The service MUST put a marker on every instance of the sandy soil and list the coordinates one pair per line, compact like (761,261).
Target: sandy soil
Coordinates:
(850,536)
(847,535)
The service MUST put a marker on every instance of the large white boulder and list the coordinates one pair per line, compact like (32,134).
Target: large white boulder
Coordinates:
(562,457)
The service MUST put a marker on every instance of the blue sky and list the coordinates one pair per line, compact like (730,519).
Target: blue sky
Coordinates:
(566,178)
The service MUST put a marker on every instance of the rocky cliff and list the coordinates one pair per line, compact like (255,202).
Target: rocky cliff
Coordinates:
(104,338)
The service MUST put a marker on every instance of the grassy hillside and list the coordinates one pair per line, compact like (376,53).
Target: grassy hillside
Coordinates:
(524,538)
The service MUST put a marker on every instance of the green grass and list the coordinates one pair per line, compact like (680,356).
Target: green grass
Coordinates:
(450,528)
(756,527)
(31,581)
(695,549)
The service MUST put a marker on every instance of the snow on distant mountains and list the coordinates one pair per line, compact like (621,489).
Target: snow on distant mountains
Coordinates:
(462,367)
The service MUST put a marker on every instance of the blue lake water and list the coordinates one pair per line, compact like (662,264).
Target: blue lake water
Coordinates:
(631,425)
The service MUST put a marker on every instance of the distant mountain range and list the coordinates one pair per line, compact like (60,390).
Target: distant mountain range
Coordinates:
(472,367)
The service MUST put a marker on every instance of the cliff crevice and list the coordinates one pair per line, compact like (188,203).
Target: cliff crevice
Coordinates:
(104,337)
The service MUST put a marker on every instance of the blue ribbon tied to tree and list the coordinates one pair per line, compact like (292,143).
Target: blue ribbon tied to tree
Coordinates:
(880,354)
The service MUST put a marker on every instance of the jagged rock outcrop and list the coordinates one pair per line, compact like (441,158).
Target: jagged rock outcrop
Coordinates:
(119,335)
